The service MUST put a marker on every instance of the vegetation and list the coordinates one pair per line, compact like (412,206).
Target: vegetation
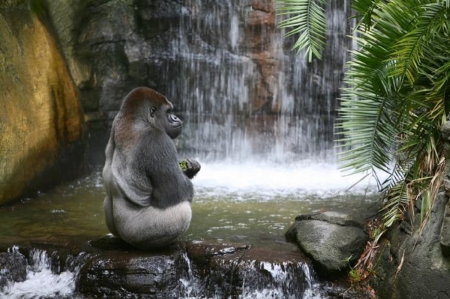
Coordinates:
(394,100)
(396,94)
(306,18)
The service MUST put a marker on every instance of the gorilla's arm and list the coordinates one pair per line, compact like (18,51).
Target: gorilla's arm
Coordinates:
(170,185)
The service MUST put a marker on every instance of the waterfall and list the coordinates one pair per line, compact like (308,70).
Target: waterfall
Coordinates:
(40,281)
(257,279)
(247,99)
(44,277)
(244,94)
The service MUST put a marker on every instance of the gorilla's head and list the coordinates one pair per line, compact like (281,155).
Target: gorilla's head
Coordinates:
(146,105)
(165,119)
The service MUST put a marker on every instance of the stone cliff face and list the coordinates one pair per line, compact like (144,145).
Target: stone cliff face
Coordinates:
(40,119)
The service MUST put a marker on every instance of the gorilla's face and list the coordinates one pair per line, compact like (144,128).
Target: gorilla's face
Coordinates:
(174,125)
(169,121)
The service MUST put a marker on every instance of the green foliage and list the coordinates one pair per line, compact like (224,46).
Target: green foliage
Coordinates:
(393,104)
(306,18)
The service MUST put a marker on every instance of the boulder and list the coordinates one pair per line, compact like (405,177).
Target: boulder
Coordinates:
(334,239)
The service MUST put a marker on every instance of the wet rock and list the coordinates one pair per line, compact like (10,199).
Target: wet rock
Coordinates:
(13,267)
(120,270)
(109,268)
(198,270)
(333,239)
(232,271)
(263,271)
(118,275)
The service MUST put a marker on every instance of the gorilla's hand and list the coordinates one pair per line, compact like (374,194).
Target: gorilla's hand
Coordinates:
(191,167)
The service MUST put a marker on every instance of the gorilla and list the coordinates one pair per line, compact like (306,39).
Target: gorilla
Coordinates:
(148,195)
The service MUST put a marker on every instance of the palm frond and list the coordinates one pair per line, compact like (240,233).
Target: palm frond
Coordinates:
(364,9)
(395,98)
(408,50)
(306,18)
(367,116)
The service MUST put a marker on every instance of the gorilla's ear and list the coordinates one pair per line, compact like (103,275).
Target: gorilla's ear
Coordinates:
(152,111)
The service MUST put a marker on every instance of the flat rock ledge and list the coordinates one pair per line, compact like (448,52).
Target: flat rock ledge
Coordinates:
(334,240)
(106,267)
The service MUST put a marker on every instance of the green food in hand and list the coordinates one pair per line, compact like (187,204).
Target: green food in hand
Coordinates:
(183,165)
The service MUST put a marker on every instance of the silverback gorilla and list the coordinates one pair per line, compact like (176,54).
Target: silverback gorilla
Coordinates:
(148,196)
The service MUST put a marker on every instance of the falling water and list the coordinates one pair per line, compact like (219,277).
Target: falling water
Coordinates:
(41,281)
(244,93)
(259,280)
(255,111)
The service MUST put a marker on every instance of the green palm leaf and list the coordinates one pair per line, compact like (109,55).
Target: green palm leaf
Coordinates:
(408,50)
(365,8)
(306,18)
(393,104)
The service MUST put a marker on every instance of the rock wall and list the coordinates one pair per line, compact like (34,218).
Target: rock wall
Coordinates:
(414,263)
(41,122)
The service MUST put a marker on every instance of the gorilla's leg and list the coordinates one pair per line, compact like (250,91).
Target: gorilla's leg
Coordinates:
(150,227)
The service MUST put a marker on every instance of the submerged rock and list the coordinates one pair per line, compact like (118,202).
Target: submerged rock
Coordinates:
(334,239)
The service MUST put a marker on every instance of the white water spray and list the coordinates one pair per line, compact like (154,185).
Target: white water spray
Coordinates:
(266,181)
(40,281)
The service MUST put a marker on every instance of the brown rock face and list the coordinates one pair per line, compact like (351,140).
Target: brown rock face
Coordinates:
(40,117)
(260,27)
